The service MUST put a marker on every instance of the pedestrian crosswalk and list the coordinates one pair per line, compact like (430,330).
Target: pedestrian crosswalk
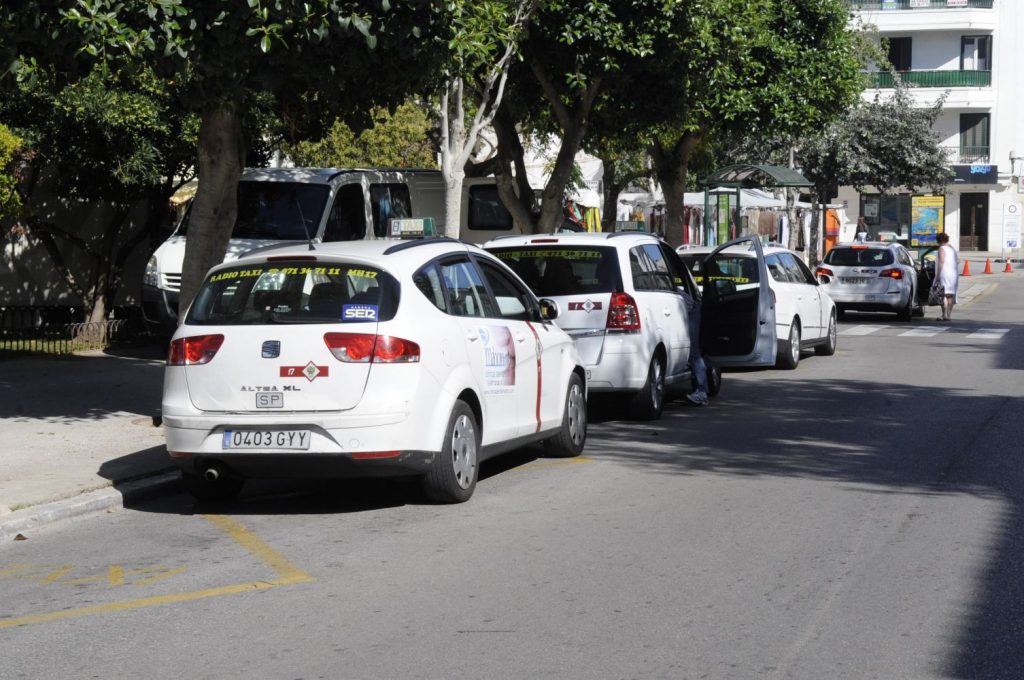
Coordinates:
(927,331)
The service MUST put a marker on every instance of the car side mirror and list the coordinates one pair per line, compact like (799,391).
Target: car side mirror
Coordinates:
(548,309)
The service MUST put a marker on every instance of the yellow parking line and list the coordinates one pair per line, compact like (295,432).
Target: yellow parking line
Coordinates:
(287,573)
(556,463)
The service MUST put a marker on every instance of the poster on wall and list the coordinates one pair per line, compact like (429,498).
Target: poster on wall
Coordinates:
(499,359)
(723,218)
(927,216)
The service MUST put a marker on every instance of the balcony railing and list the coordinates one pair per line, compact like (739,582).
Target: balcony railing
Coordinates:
(962,155)
(884,79)
(869,5)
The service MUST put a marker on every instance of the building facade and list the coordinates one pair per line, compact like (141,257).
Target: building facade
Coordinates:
(974,51)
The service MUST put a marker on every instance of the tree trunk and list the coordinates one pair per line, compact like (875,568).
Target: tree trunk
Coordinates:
(221,160)
(453,204)
(510,174)
(672,167)
(553,197)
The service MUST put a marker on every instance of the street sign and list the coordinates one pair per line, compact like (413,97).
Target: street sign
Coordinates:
(1011,225)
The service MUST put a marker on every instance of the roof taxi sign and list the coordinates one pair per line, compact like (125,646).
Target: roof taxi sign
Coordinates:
(418,227)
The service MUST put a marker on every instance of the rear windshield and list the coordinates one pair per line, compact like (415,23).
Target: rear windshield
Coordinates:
(741,270)
(276,210)
(866,257)
(563,270)
(295,292)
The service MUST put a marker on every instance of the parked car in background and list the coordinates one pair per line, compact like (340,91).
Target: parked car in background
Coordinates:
(277,206)
(619,298)
(367,358)
(872,276)
(762,305)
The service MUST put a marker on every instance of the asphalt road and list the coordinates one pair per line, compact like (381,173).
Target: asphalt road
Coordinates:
(856,518)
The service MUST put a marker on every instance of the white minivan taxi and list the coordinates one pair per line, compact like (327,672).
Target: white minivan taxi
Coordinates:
(622,300)
(367,358)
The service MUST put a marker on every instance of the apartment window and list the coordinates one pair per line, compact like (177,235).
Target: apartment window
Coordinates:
(974,140)
(899,53)
(976,53)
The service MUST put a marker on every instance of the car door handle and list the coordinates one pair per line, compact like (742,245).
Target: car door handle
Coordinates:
(667,311)
(472,336)
(520,338)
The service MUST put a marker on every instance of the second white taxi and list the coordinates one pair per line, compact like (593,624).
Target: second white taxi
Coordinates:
(761,304)
(367,358)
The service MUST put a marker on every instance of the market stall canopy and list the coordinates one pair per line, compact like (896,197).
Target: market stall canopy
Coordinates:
(755,176)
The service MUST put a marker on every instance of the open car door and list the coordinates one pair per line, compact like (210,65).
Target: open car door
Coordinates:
(738,306)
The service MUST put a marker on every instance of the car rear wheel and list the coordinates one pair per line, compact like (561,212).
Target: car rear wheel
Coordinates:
(224,488)
(570,439)
(714,379)
(648,402)
(452,479)
(908,309)
(831,339)
(789,351)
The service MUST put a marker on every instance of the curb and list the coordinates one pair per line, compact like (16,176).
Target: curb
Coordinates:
(121,495)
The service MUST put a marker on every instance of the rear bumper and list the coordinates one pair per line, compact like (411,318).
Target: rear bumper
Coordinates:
(305,465)
(879,302)
(622,365)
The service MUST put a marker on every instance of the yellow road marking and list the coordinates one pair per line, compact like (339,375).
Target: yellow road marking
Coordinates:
(287,574)
(556,463)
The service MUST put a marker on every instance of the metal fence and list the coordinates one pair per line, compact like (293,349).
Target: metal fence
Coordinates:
(61,330)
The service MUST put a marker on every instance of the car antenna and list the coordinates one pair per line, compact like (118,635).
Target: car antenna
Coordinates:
(305,227)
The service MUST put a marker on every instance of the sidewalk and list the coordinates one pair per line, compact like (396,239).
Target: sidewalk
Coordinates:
(79,434)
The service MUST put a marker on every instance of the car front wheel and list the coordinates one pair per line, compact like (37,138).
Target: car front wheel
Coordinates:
(573,435)
(452,478)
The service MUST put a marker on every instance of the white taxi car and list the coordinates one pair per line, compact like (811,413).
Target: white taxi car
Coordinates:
(367,358)
(761,304)
(619,299)
(872,276)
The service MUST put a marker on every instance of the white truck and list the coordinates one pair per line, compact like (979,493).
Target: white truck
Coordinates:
(280,205)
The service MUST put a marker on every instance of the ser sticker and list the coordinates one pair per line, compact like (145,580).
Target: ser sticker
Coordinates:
(353,312)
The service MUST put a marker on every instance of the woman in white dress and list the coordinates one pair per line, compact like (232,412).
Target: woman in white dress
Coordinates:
(947,274)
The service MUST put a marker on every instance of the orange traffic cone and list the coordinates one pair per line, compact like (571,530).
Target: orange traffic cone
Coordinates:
(1008,269)
(967,268)
(988,266)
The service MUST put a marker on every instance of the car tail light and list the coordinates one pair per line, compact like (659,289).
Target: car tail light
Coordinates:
(198,349)
(823,271)
(892,273)
(623,313)
(365,348)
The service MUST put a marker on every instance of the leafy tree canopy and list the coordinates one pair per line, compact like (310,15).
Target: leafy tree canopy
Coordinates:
(396,140)
(10,147)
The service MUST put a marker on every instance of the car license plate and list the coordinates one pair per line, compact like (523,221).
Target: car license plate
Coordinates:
(266,440)
(854,279)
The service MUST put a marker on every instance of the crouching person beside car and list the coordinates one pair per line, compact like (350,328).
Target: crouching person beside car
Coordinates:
(700,371)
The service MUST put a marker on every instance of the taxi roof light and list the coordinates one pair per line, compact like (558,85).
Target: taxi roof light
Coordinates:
(411,227)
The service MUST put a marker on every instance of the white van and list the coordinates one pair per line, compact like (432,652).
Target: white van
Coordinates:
(280,205)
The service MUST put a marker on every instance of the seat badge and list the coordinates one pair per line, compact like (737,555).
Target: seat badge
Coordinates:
(271,349)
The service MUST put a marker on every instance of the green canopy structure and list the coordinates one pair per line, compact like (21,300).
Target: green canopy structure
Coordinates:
(747,176)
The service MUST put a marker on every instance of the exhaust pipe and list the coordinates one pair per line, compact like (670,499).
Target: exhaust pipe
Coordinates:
(212,473)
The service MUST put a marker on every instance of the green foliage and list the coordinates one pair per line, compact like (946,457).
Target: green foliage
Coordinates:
(888,143)
(395,140)
(109,135)
(10,146)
